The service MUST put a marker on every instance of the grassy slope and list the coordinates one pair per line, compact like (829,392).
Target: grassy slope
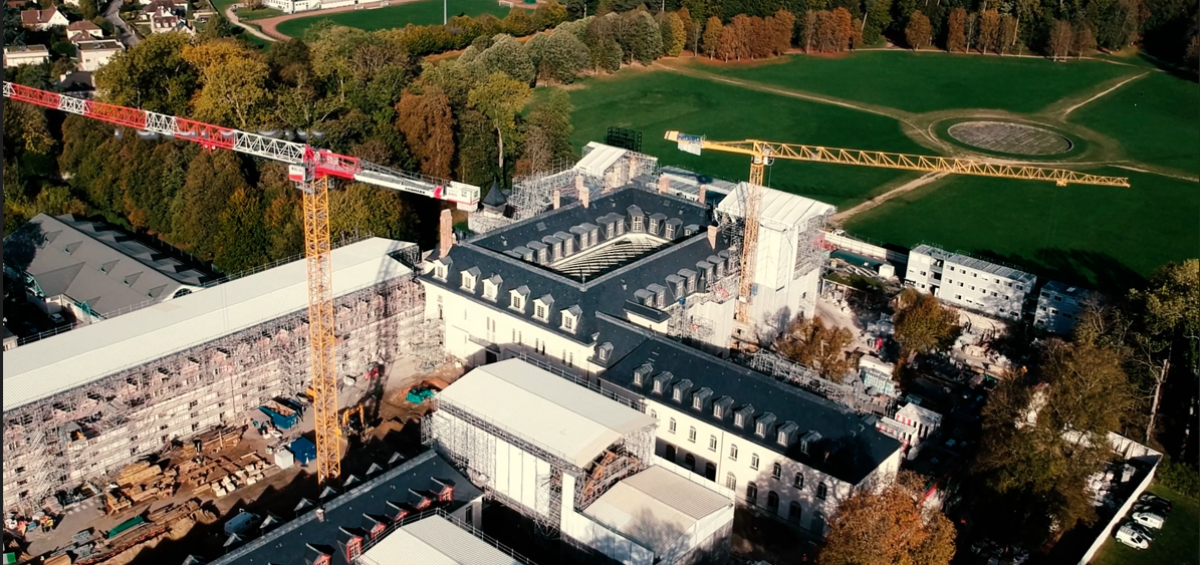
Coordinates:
(1154,117)
(1107,237)
(926,82)
(653,102)
(424,12)
(1176,543)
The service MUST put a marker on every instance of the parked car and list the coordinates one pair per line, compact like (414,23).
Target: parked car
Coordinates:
(57,319)
(1153,501)
(1152,507)
(1131,537)
(1148,519)
(1147,532)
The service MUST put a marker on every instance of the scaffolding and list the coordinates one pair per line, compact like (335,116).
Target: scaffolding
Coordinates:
(851,393)
(470,442)
(92,430)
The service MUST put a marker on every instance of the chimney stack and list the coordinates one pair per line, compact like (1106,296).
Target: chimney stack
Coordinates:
(585,195)
(712,236)
(557,198)
(579,183)
(702,194)
(664,184)
(445,233)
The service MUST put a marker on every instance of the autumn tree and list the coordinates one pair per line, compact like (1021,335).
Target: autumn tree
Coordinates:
(783,26)
(1083,41)
(989,31)
(918,32)
(517,22)
(922,323)
(889,527)
(674,34)
(1060,39)
(241,238)
(233,82)
(844,29)
(1044,434)
(1009,31)
(713,30)
(811,343)
(808,31)
(428,127)
(549,15)
(956,35)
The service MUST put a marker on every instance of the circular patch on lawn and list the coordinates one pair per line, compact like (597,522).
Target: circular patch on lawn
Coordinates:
(1011,138)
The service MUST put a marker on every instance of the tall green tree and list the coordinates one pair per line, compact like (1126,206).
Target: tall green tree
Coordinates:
(923,324)
(499,98)
(1044,434)
(548,133)
(153,75)
(507,55)
(212,179)
(712,37)
(241,239)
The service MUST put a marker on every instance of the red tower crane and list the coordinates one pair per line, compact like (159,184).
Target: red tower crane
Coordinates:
(310,169)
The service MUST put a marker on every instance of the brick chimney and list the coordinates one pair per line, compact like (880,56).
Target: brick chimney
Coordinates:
(664,184)
(557,198)
(585,195)
(445,233)
(702,193)
(712,236)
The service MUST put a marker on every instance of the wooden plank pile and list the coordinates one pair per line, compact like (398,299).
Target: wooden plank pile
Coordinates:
(222,474)
(212,442)
(138,483)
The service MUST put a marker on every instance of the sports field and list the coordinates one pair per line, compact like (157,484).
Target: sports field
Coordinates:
(422,12)
(905,102)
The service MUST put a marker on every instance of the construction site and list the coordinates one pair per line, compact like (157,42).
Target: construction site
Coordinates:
(153,417)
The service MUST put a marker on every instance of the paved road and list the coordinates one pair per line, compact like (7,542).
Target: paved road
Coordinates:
(113,15)
(233,19)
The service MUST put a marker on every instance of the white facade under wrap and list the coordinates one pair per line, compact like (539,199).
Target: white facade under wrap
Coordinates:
(434,541)
(788,261)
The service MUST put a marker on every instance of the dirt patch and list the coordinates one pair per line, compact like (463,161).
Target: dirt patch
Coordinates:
(1011,138)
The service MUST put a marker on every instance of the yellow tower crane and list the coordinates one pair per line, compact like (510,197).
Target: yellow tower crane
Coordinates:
(763,153)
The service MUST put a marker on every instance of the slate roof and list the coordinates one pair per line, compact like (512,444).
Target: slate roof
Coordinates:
(854,448)
(609,292)
(289,543)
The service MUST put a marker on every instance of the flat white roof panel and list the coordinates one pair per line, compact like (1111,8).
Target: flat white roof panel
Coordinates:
(656,507)
(779,210)
(599,159)
(435,541)
(92,352)
(557,415)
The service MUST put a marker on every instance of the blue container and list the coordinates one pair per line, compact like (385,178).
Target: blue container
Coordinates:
(304,450)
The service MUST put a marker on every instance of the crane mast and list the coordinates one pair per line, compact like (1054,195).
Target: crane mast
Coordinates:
(763,153)
(311,170)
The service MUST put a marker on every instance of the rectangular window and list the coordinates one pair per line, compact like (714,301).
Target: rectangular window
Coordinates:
(712,443)
(733,452)
(540,311)
(692,434)
(754,461)
(671,426)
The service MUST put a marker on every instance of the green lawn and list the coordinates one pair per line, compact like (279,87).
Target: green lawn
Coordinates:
(654,102)
(263,13)
(926,82)
(1177,543)
(424,12)
(1155,118)
(1102,237)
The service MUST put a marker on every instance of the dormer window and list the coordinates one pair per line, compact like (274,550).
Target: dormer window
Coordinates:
(677,396)
(439,272)
(491,287)
(661,380)
(653,225)
(569,246)
(669,231)
(741,416)
(469,277)
(640,374)
(620,226)
(570,318)
(558,250)
(691,282)
(604,351)
(610,229)
(681,390)
(595,234)
(542,256)
(721,407)
(785,433)
(763,426)
(637,223)
(518,297)
(700,397)
(808,442)
(539,311)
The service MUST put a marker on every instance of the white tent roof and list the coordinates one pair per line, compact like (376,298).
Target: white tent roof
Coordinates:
(656,507)
(548,411)
(435,541)
(599,158)
(92,352)
(778,210)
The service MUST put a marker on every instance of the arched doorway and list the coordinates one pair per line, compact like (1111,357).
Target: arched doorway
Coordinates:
(710,472)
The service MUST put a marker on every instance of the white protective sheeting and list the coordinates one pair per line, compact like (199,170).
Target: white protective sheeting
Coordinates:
(548,411)
(599,159)
(435,541)
(656,508)
(777,210)
(92,352)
